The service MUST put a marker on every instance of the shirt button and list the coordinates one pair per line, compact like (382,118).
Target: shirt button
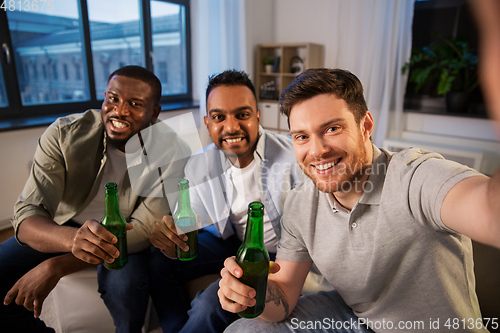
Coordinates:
(230,185)
(354,225)
(225,212)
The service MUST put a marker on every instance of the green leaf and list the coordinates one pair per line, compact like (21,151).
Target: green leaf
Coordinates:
(445,82)
(420,76)
(449,60)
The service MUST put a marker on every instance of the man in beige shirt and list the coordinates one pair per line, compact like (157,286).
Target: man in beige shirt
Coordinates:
(55,218)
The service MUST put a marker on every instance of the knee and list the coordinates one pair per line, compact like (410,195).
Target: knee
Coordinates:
(116,281)
(238,326)
(134,276)
(207,298)
(163,269)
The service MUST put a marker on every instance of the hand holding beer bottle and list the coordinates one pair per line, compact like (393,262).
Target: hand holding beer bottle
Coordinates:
(115,223)
(253,259)
(186,221)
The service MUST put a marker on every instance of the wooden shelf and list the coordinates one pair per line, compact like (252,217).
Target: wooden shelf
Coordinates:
(288,53)
(270,74)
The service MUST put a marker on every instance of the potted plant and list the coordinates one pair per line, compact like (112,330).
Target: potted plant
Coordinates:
(452,63)
(268,64)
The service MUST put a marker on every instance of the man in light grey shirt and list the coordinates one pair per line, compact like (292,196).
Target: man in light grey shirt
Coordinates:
(391,232)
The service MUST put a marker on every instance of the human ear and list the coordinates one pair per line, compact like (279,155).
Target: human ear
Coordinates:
(367,125)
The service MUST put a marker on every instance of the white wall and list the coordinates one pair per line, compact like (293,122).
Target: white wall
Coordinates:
(17,148)
(288,21)
(307,21)
(260,23)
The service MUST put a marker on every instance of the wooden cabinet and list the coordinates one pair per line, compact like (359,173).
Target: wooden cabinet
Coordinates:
(272,119)
(288,61)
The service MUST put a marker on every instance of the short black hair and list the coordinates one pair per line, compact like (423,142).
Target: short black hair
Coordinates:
(230,77)
(144,75)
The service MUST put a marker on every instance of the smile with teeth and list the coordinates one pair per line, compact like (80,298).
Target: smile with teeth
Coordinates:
(325,166)
(233,140)
(118,124)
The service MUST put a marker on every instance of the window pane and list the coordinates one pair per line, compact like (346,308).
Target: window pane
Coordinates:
(3,93)
(115,34)
(168,23)
(44,41)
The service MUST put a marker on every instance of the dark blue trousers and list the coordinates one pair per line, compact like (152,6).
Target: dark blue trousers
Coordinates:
(169,293)
(126,292)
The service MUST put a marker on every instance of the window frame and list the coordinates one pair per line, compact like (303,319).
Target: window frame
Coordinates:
(413,102)
(16,110)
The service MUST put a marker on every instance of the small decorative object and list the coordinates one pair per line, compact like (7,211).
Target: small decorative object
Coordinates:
(268,91)
(297,65)
(452,64)
(268,64)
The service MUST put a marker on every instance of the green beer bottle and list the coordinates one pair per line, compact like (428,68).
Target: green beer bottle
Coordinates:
(253,259)
(115,223)
(185,220)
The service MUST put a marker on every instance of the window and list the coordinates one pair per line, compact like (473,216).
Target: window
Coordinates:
(163,72)
(55,75)
(65,71)
(26,73)
(78,43)
(76,60)
(450,19)
(3,93)
(35,71)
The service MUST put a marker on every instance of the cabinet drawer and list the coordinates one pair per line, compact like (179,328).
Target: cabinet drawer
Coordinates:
(269,114)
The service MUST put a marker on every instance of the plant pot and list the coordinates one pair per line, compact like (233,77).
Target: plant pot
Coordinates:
(269,68)
(457,102)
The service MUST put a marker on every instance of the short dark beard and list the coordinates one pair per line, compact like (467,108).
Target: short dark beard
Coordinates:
(361,167)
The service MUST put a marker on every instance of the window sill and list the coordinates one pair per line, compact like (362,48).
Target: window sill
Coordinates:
(437,106)
(443,112)
(37,121)
(180,105)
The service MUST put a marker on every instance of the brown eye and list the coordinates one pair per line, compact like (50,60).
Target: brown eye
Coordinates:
(300,137)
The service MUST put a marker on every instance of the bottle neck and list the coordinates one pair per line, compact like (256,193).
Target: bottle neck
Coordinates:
(254,234)
(184,199)
(111,202)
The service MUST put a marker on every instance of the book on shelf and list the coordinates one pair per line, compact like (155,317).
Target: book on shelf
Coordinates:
(276,64)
